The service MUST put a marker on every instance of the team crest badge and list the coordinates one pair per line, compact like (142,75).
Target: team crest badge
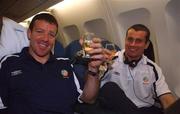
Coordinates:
(64,73)
(145,80)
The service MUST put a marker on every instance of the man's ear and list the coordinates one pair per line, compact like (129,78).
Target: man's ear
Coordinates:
(81,41)
(29,33)
(147,44)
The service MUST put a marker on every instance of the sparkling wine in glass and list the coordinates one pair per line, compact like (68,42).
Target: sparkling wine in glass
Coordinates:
(87,40)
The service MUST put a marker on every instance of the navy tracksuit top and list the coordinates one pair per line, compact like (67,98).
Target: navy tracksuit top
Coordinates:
(29,87)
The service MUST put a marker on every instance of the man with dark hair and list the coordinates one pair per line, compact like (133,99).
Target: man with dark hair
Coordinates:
(34,81)
(140,27)
(134,82)
(44,16)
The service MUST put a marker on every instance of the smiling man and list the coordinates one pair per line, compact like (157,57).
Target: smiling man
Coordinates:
(34,81)
(136,80)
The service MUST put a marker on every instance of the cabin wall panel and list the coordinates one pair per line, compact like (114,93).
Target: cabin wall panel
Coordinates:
(81,12)
(173,30)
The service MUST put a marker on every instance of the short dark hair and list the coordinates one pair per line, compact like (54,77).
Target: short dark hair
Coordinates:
(140,27)
(43,16)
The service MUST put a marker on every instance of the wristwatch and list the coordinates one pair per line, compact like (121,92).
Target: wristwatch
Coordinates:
(94,74)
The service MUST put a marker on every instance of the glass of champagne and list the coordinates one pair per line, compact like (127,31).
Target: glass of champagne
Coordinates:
(87,40)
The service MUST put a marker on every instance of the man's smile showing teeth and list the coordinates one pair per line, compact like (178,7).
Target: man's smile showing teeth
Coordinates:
(42,44)
(132,49)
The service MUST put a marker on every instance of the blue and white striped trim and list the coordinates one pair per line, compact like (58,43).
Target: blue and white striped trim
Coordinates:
(78,87)
(1,104)
(6,58)
(61,58)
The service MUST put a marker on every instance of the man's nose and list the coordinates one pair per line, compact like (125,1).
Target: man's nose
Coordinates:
(46,37)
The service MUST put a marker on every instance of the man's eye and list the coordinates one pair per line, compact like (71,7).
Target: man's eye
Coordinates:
(136,40)
(39,31)
(52,34)
(139,40)
(130,39)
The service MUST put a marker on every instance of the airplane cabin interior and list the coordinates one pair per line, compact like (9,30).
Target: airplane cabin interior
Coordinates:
(109,19)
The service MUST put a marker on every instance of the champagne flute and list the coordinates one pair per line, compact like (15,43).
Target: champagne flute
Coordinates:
(87,40)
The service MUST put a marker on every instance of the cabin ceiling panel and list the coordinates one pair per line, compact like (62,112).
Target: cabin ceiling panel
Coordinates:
(19,10)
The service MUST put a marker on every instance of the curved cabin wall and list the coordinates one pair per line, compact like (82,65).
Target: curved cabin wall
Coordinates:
(97,26)
(71,33)
(173,25)
(86,15)
(111,18)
